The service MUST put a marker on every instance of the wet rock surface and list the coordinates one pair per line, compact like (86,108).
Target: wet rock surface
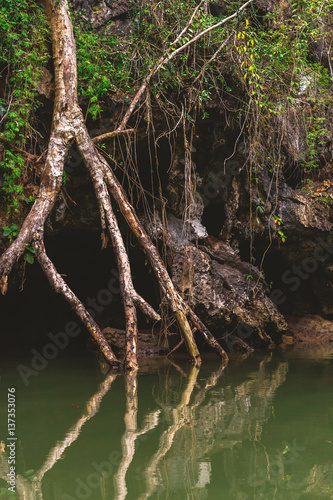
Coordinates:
(148,343)
(311,328)
(226,296)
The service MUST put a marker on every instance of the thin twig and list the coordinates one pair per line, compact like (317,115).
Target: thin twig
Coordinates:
(6,114)
(188,24)
(30,156)
(175,348)
(68,196)
(213,57)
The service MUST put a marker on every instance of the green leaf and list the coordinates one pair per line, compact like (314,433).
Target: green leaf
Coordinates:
(14,228)
(6,231)
(29,258)
(29,473)
(30,249)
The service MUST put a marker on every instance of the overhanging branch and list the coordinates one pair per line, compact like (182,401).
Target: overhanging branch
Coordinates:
(165,59)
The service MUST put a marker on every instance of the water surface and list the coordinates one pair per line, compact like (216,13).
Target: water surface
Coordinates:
(262,428)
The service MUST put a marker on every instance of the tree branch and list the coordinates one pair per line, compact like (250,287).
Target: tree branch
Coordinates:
(167,57)
(108,135)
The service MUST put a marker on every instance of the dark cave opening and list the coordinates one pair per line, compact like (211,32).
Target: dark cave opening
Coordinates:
(213,218)
(28,316)
(31,309)
(300,283)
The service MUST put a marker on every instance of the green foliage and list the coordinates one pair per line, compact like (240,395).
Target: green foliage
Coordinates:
(110,61)
(23,53)
(11,233)
(64,178)
(29,254)
(289,91)
(5,491)
(95,66)
(279,232)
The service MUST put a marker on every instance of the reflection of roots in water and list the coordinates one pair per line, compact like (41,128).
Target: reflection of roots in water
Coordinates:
(226,417)
(131,433)
(182,415)
(32,489)
(204,421)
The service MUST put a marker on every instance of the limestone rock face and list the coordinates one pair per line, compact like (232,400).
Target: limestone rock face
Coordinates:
(46,84)
(225,295)
(303,215)
(311,328)
(97,13)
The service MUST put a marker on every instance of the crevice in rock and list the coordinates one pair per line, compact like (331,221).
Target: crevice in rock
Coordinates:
(213,218)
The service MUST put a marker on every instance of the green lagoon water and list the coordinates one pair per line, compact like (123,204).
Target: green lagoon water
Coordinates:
(262,428)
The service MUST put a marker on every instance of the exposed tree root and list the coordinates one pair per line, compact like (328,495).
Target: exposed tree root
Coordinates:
(68,125)
(59,286)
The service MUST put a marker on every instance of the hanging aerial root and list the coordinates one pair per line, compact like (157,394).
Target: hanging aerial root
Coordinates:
(61,287)
(4,284)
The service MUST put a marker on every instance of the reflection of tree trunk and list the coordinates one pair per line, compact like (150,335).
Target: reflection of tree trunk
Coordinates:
(211,382)
(91,409)
(182,415)
(32,490)
(24,488)
(131,433)
(128,440)
(68,125)
(238,412)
